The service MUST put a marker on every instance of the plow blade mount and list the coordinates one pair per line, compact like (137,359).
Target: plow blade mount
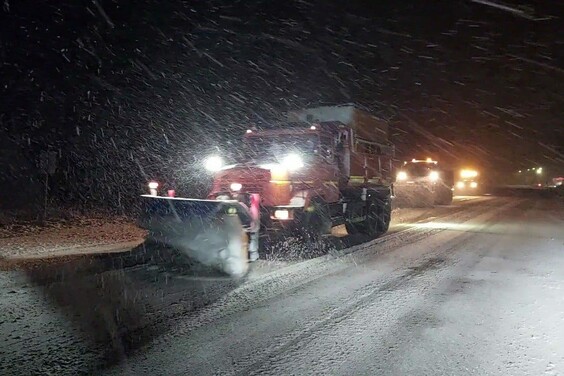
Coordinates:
(211,232)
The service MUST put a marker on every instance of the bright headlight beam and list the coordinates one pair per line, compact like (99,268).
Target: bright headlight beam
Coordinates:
(236,187)
(213,163)
(293,162)
(434,175)
(465,174)
(402,175)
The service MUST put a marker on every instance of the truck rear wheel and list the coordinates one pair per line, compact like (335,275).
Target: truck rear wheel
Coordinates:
(377,220)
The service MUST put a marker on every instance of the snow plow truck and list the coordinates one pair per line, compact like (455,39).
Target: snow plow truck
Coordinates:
(423,183)
(319,168)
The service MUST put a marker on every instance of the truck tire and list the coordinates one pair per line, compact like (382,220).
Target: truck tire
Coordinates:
(316,221)
(377,219)
(385,217)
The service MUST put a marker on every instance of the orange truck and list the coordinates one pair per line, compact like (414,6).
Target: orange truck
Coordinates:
(319,168)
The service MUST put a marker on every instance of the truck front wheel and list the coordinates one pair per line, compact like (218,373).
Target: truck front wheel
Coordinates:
(314,222)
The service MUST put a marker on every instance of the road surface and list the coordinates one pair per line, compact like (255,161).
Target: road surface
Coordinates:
(473,288)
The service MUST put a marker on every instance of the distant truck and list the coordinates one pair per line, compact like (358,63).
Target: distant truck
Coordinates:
(468,183)
(423,183)
(322,167)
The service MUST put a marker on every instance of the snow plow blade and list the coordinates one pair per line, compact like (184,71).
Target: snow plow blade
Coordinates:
(211,232)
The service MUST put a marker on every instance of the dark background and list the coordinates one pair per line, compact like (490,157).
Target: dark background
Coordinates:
(123,91)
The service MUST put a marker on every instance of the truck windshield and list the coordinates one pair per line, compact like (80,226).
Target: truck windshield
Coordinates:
(273,147)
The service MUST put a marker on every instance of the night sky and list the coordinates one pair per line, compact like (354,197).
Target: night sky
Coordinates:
(126,90)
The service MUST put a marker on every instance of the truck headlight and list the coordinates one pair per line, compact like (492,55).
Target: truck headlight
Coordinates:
(434,175)
(460,185)
(236,187)
(473,185)
(402,175)
(213,163)
(292,162)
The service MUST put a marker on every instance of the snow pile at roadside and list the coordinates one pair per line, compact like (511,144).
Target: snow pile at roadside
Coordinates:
(29,239)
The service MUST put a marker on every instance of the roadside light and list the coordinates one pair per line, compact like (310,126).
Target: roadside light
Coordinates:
(429,160)
(465,174)
(434,175)
(402,175)
(281,214)
(414,160)
(313,127)
(236,187)
(520,171)
(473,184)
(153,185)
(293,162)
(213,163)
(539,170)
(460,185)
(249,131)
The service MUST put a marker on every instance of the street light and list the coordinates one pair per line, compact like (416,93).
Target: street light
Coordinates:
(539,170)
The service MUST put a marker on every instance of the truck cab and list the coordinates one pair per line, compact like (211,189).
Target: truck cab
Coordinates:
(306,174)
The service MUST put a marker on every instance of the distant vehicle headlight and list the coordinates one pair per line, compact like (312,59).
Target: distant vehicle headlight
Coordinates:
(465,174)
(293,162)
(402,175)
(473,185)
(460,185)
(434,175)
(213,163)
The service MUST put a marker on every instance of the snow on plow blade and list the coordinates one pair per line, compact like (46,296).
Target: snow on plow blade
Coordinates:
(208,231)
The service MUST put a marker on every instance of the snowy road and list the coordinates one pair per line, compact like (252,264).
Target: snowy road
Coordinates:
(472,288)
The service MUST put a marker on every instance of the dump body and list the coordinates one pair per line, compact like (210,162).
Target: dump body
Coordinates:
(370,151)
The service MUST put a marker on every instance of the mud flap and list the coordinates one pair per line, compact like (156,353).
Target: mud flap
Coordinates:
(210,232)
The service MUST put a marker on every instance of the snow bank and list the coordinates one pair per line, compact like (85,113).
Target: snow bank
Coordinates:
(79,235)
